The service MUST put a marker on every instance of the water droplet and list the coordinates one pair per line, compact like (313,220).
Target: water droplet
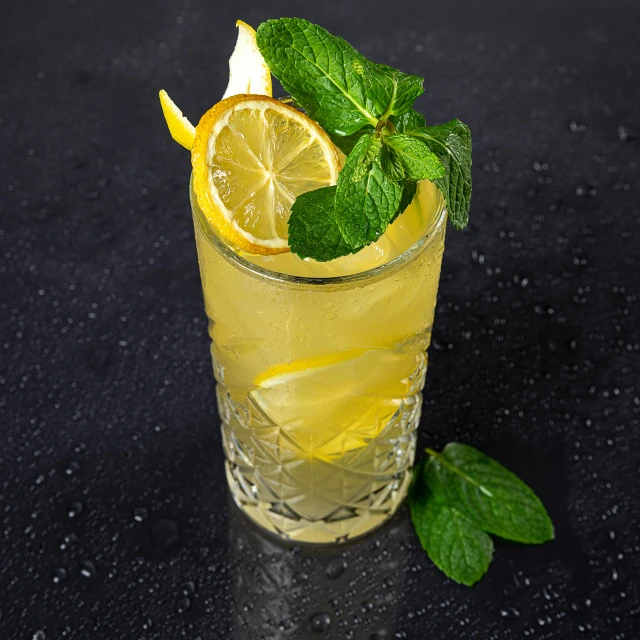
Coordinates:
(603,442)
(366,606)
(520,583)
(184,605)
(335,568)
(140,514)
(582,605)
(147,623)
(40,635)
(88,569)
(576,127)
(188,588)
(72,467)
(59,575)
(75,509)
(68,540)
(509,612)
(543,309)
(320,622)
(623,134)
(300,577)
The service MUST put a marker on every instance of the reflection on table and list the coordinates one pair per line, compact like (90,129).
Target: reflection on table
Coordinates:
(285,591)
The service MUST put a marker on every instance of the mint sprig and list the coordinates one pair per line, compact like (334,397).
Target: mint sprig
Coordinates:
(460,496)
(366,108)
(337,86)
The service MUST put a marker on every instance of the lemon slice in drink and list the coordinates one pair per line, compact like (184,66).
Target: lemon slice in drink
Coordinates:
(331,404)
(252,156)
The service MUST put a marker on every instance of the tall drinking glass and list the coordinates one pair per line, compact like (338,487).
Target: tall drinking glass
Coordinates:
(319,380)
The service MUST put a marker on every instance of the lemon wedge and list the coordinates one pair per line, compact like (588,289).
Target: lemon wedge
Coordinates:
(252,156)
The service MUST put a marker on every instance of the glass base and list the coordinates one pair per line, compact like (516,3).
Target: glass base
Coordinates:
(290,526)
(320,499)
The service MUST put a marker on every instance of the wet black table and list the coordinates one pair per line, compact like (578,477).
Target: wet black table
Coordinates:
(115,516)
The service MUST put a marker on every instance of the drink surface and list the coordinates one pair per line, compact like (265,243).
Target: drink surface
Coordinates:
(399,236)
(319,383)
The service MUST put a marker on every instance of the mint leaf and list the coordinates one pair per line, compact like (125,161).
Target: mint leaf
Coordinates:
(409,121)
(418,161)
(321,72)
(495,499)
(391,91)
(452,541)
(326,76)
(391,165)
(451,142)
(459,496)
(313,230)
(364,208)
(346,143)
(372,151)
(409,188)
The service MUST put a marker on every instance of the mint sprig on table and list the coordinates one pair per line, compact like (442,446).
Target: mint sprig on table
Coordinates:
(367,110)
(459,497)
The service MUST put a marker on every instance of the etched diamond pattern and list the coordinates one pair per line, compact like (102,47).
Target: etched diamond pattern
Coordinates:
(323,498)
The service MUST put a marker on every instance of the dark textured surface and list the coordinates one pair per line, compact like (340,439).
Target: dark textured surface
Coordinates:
(115,520)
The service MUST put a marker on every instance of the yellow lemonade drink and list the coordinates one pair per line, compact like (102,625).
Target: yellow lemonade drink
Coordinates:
(319,369)
(320,233)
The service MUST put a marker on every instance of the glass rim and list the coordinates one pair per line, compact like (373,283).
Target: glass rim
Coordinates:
(262,272)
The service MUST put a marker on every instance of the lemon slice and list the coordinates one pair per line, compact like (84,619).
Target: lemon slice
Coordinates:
(339,402)
(248,72)
(251,158)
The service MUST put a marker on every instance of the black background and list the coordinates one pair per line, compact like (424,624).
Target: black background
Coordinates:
(115,516)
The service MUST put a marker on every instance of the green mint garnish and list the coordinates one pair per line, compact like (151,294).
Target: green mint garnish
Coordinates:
(460,496)
(338,87)
(367,110)
(313,227)
(414,155)
(453,542)
(451,142)
(366,200)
